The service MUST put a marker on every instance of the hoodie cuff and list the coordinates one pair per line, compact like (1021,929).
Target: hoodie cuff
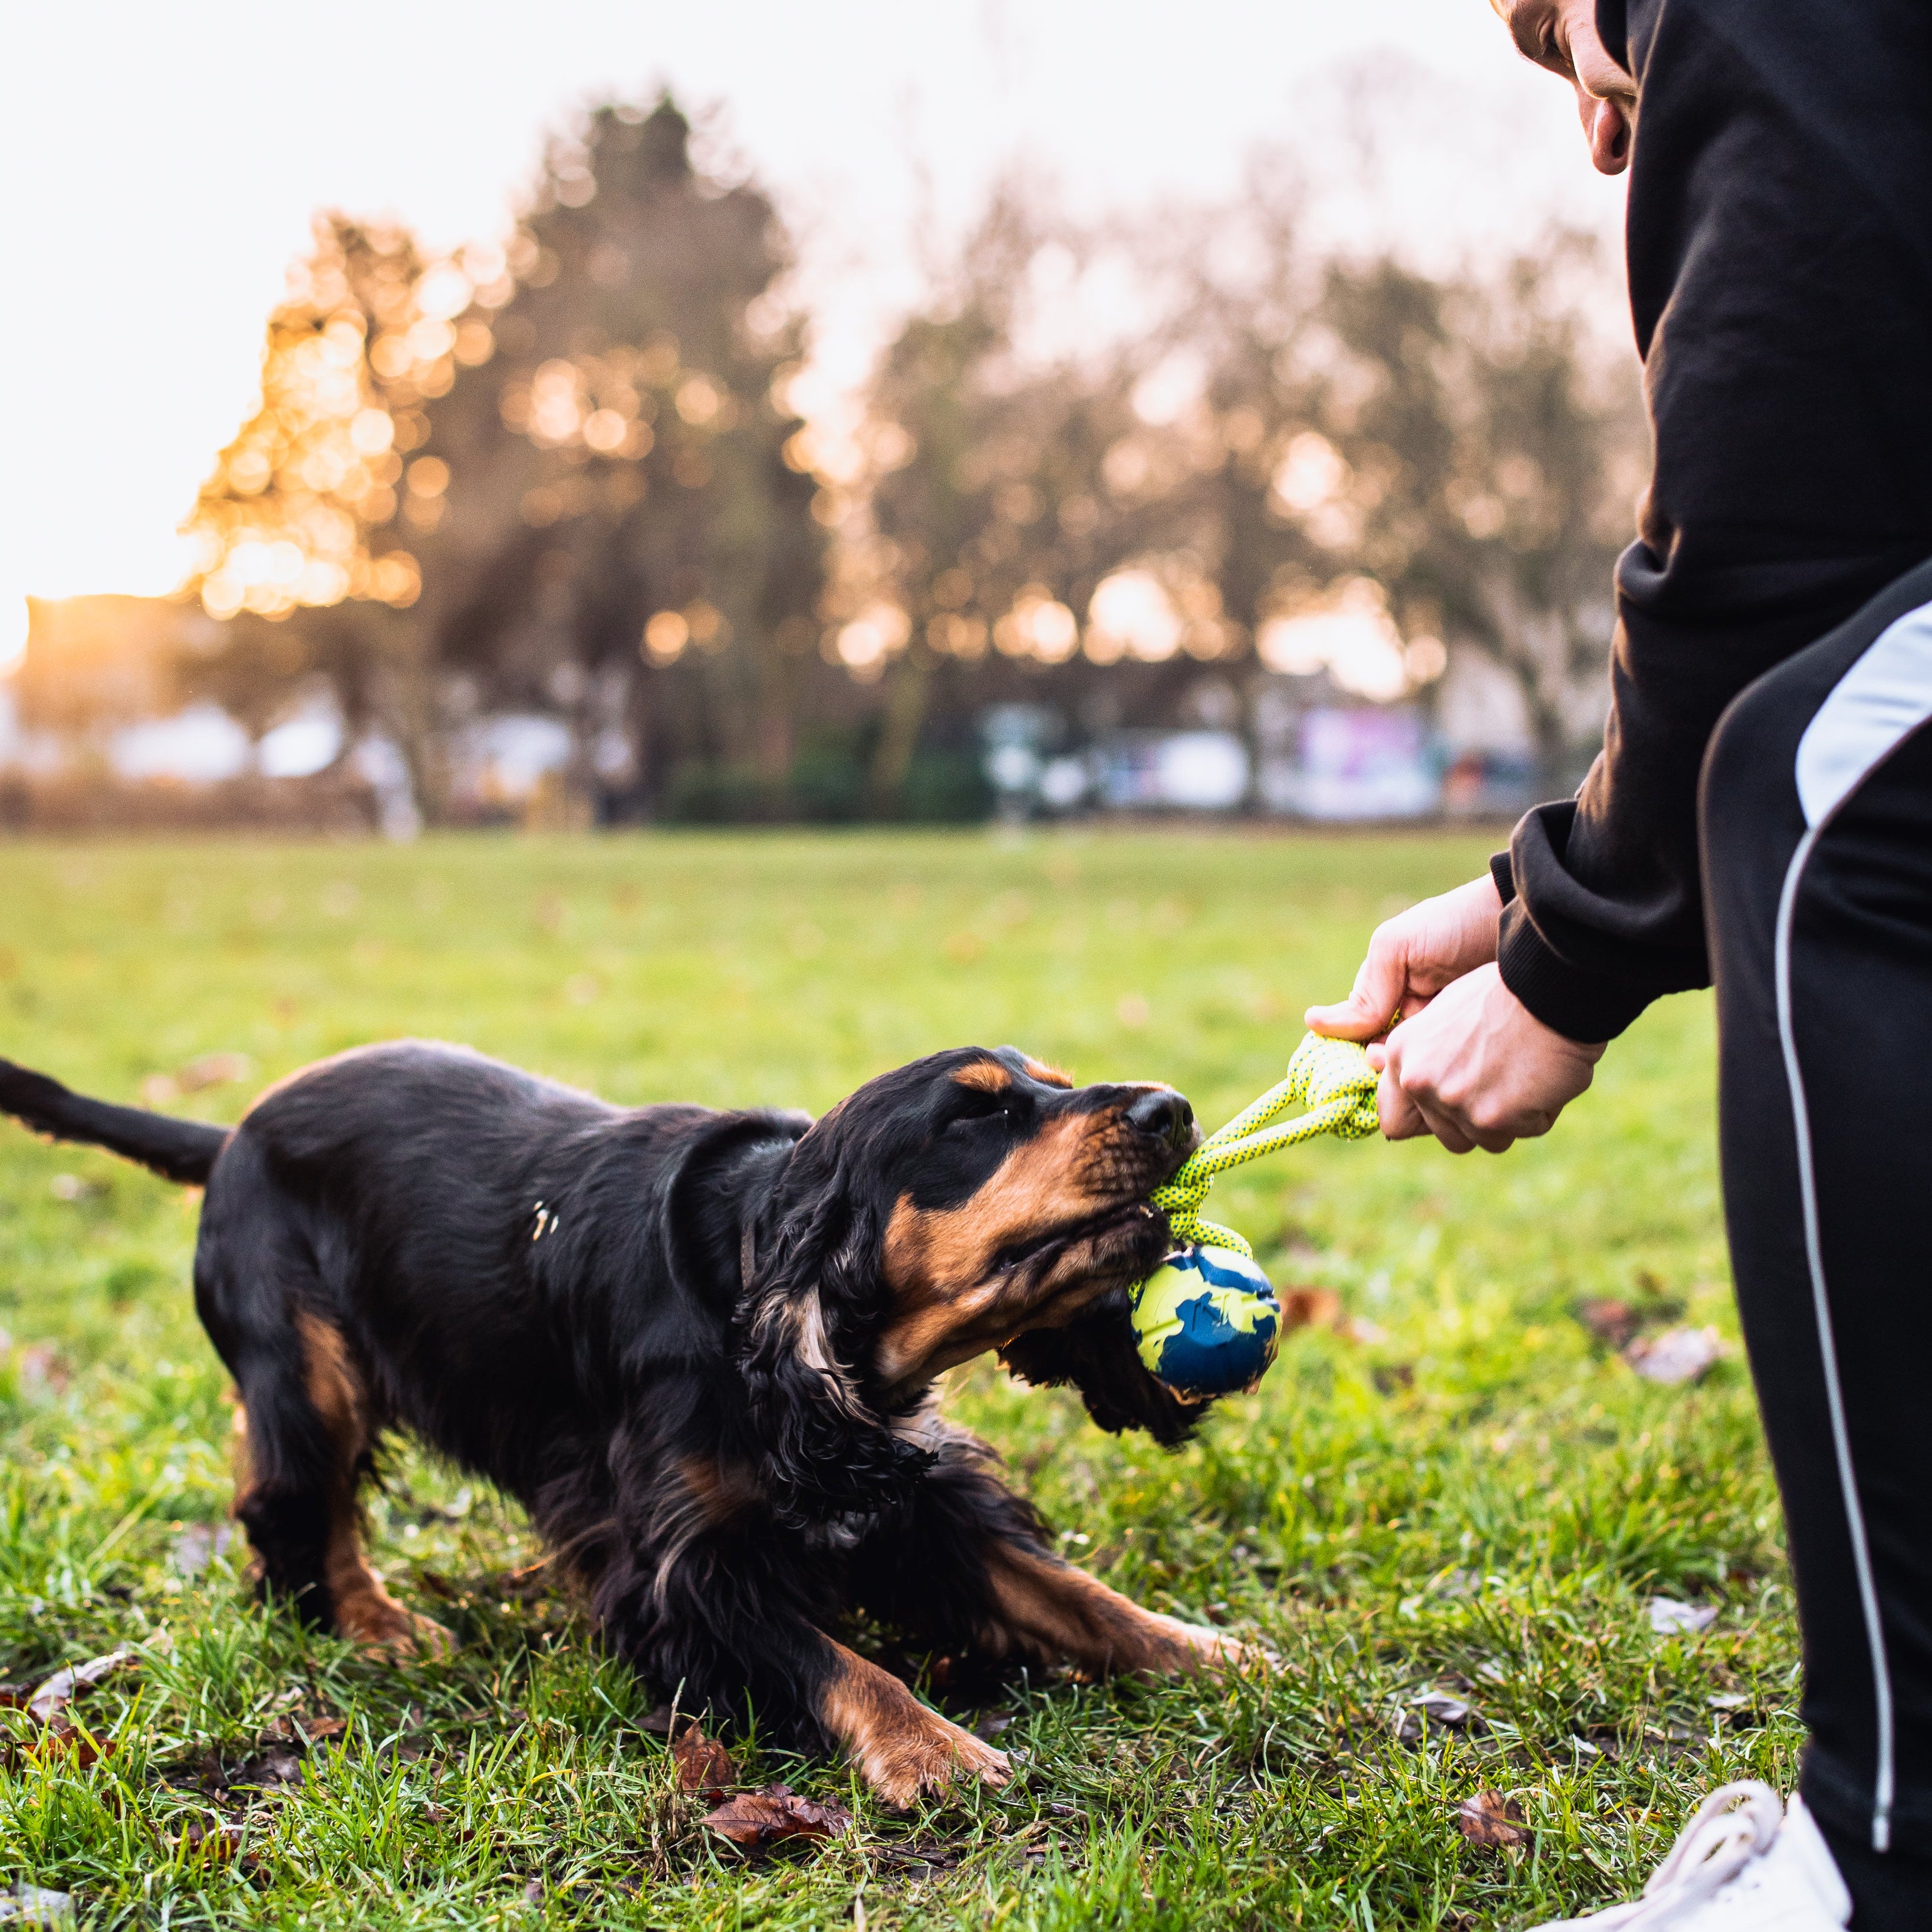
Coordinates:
(1585,1006)
(1504,874)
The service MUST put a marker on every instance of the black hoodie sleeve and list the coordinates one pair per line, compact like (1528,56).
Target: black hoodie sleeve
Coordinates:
(1779,238)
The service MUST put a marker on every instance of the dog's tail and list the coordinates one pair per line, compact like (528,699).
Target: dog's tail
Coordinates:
(183,1150)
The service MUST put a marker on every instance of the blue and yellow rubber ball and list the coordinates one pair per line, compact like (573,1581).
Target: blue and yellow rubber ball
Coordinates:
(1208,1323)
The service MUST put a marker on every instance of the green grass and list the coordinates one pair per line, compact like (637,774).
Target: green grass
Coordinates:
(1477,1495)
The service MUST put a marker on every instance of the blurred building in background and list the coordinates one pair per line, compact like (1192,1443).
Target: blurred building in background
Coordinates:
(539,533)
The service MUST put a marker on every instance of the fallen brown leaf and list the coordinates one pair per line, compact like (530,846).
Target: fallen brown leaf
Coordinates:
(754,1819)
(1490,1818)
(211,1069)
(214,1070)
(216,1841)
(13,1697)
(300,1728)
(43,1366)
(81,1748)
(1309,1307)
(64,1686)
(33,1905)
(1677,1355)
(199,1545)
(703,1765)
(1613,1323)
(1437,1708)
(277,1765)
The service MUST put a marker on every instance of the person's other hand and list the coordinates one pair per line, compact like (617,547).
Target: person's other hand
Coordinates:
(1478,1068)
(1411,957)
(1561,36)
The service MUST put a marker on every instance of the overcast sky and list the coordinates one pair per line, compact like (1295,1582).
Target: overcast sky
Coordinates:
(162,163)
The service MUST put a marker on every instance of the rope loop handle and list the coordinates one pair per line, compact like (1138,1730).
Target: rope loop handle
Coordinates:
(1331,1078)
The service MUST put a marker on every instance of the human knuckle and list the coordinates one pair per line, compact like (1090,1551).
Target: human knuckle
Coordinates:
(1419,1082)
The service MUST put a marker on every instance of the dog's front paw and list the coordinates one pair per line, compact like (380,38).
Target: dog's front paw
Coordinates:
(918,1753)
(374,1620)
(1243,1659)
(423,1636)
(1196,1647)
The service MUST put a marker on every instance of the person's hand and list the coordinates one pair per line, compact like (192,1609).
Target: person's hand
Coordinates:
(1478,1068)
(1411,957)
(1561,36)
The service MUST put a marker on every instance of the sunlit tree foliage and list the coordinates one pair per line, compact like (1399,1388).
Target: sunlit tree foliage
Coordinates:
(564,474)
(300,507)
(625,535)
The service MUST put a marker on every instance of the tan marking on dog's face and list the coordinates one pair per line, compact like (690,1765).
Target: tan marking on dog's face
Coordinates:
(987,1076)
(952,1300)
(1048,1076)
(934,1254)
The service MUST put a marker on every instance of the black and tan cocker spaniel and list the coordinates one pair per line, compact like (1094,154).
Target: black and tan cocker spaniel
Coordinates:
(699,1348)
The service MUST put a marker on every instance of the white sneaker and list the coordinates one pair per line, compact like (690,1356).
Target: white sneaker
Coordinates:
(1743,1864)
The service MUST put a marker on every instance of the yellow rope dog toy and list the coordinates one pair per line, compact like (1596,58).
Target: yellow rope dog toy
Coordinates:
(1207,1319)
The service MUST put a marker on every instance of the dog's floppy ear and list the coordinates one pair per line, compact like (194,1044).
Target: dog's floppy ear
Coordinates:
(1096,1353)
(825,1454)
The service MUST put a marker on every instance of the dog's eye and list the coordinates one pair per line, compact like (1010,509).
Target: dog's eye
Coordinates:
(974,1107)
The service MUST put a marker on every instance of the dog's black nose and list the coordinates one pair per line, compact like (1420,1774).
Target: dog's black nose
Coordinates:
(1162,1115)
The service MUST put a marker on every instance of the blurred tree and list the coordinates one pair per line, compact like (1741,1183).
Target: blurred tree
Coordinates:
(1002,493)
(573,464)
(1436,460)
(299,514)
(567,475)
(615,511)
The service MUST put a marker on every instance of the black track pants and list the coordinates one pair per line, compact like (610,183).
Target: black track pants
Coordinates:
(1816,822)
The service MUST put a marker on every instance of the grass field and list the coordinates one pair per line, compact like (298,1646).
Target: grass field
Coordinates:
(1465,1493)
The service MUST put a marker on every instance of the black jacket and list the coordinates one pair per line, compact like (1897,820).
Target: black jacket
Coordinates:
(1779,238)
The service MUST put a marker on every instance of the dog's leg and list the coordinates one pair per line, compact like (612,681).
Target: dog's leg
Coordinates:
(903,1748)
(971,1567)
(306,1434)
(702,1593)
(1052,1610)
